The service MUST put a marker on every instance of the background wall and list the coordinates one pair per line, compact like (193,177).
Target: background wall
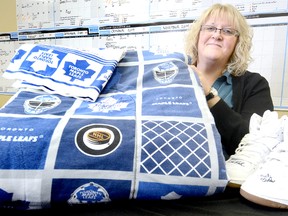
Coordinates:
(8,22)
(157,25)
(4,98)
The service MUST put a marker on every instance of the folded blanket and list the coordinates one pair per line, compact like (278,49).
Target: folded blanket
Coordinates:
(65,71)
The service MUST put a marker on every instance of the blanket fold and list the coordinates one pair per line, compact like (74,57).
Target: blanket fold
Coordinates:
(61,70)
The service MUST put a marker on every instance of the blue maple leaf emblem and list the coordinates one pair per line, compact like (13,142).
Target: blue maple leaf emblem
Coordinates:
(5,195)
(6,201)
(18,55)
(78,71)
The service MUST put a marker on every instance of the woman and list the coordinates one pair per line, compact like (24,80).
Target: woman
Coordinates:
(219,44)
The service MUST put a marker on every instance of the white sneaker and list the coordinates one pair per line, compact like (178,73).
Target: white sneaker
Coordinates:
(268,185)
(264,134)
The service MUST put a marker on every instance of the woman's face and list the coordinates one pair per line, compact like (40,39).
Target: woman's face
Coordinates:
(216,46)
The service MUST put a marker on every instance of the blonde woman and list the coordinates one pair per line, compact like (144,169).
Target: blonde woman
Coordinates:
(219,44)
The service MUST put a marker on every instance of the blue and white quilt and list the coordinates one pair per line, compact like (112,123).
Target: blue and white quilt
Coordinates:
(148,136)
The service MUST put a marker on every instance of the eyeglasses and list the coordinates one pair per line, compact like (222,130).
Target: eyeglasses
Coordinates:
(225,31)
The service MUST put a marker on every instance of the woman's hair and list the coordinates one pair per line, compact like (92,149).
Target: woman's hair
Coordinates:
(240,58)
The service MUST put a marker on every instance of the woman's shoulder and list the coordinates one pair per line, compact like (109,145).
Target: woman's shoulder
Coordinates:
(251,76)
(250,80)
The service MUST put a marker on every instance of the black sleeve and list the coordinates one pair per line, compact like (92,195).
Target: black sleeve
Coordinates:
(251,94)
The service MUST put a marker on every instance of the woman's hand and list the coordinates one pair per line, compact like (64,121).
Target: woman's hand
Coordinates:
(206,85)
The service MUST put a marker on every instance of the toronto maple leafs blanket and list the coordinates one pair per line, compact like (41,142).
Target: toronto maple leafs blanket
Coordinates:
(66,71)
(148,136)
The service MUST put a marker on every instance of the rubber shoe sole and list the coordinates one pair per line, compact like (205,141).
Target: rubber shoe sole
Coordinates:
(262,201)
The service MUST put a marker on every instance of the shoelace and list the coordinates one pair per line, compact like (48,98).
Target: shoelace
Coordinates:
(254,148)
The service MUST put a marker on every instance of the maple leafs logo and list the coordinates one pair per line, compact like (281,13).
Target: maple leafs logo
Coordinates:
(18,55)
(7,201)
(42,59)
(78,71)
(108,105)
